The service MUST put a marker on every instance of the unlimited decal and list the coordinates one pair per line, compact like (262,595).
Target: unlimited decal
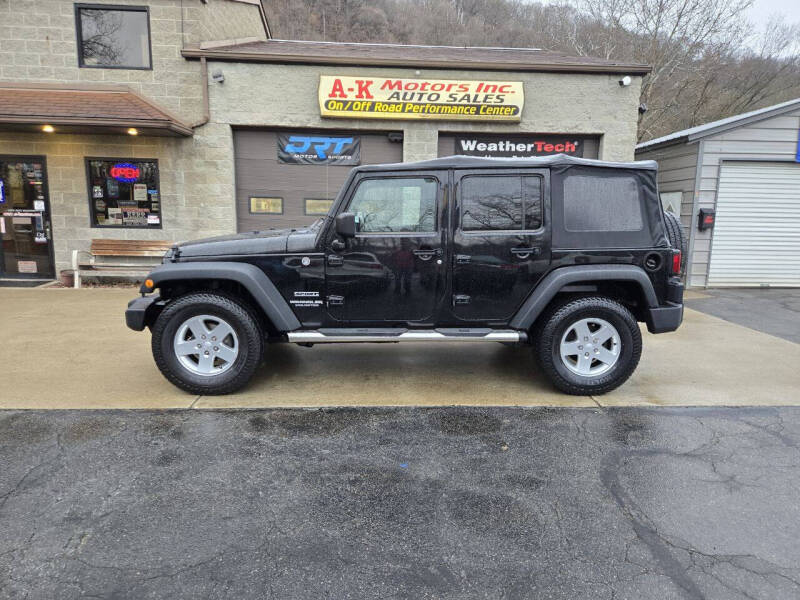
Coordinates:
(396,98)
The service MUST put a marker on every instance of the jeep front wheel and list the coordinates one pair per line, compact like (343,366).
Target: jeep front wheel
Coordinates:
(207,343)
(588,345)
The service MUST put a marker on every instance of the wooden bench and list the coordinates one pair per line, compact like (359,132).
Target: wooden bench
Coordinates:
(86,263)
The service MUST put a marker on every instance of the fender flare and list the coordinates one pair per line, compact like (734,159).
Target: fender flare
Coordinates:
(249,276)
(552,283)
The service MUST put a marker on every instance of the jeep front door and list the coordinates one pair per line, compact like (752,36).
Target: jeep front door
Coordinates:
(501,241)
(392,270)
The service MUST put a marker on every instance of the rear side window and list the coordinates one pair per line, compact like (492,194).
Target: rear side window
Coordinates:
(501,203)
(607,203)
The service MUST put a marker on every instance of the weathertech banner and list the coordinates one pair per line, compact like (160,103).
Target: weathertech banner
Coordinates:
(440,99)
(310,149)
(518,146)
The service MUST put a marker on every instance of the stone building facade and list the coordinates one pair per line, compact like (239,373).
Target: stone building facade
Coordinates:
(38,45)
(215,75)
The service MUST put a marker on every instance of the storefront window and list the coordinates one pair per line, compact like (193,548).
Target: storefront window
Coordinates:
(124,193)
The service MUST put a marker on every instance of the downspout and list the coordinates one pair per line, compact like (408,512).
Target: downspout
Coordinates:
(206,108)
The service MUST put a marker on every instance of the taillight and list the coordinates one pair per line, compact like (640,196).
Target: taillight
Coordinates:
(676,262)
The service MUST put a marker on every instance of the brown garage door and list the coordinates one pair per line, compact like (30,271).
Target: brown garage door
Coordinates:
(297,191)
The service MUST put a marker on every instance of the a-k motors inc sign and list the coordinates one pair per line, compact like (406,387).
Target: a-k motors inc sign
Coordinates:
(440,99)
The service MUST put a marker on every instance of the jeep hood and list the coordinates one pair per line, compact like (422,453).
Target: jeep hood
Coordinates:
(272,241)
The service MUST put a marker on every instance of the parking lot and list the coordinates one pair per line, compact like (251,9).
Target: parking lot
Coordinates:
(453,502)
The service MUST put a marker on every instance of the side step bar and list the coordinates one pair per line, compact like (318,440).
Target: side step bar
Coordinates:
(455,334)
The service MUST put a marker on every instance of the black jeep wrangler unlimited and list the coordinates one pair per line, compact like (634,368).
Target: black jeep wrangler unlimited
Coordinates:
(561,253)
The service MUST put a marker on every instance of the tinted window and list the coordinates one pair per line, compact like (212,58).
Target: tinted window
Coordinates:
(501,203)
(395,205)
(602,203)
(114,37)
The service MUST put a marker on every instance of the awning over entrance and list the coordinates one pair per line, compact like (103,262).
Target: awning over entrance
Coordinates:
(74,109)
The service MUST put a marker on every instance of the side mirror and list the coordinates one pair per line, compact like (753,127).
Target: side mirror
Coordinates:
(346,225)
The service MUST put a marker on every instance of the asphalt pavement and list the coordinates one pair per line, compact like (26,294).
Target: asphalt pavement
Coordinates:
(775,311)
(600,503)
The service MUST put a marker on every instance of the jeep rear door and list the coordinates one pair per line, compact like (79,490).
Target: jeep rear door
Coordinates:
(501,240)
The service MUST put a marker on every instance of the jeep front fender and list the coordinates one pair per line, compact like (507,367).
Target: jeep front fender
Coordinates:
(552,283)
(253,279)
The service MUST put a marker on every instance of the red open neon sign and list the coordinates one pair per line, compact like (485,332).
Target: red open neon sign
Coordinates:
(125,172)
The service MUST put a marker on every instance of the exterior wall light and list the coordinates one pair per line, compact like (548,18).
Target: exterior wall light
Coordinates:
(48,128)
(133,131)
(625,81)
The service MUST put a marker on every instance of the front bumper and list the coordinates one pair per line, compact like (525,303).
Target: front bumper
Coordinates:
(136,314)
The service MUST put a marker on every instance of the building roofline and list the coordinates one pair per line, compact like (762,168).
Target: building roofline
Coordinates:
(713,128)
(286,54)
(170,123)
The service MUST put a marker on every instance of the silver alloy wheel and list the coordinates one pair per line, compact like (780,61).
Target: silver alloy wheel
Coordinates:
(590,347)
(206,345)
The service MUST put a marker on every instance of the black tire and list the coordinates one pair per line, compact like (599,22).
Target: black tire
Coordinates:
(555,323)
(239,316)
(675,235)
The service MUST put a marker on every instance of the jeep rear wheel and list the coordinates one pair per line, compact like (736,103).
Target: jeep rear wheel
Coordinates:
(207,343)
(588,345)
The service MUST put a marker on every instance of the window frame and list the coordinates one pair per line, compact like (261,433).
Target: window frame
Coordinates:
(92,212)
(505,232)
(410,175)
(130,8)
(270,197)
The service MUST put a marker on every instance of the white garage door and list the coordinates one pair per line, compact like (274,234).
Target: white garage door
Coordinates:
(757,235)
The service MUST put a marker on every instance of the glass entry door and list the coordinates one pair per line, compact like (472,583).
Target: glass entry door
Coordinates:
(26,249)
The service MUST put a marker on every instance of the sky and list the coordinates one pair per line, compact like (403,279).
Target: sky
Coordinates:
(762,9)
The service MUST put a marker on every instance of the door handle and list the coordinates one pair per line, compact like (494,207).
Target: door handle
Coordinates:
(525,252)
(427,254)
(463,259)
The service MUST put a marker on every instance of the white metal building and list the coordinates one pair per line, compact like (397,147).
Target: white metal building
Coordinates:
(747,169)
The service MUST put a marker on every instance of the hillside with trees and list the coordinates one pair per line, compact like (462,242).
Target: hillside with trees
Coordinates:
(708,61)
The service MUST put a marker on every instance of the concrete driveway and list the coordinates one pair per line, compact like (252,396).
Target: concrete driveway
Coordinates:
(70,349)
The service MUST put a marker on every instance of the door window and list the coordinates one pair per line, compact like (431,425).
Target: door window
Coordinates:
(395,205)
(501,203)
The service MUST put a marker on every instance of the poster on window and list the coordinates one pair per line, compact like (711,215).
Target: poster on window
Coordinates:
(309,149)
(134,217)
